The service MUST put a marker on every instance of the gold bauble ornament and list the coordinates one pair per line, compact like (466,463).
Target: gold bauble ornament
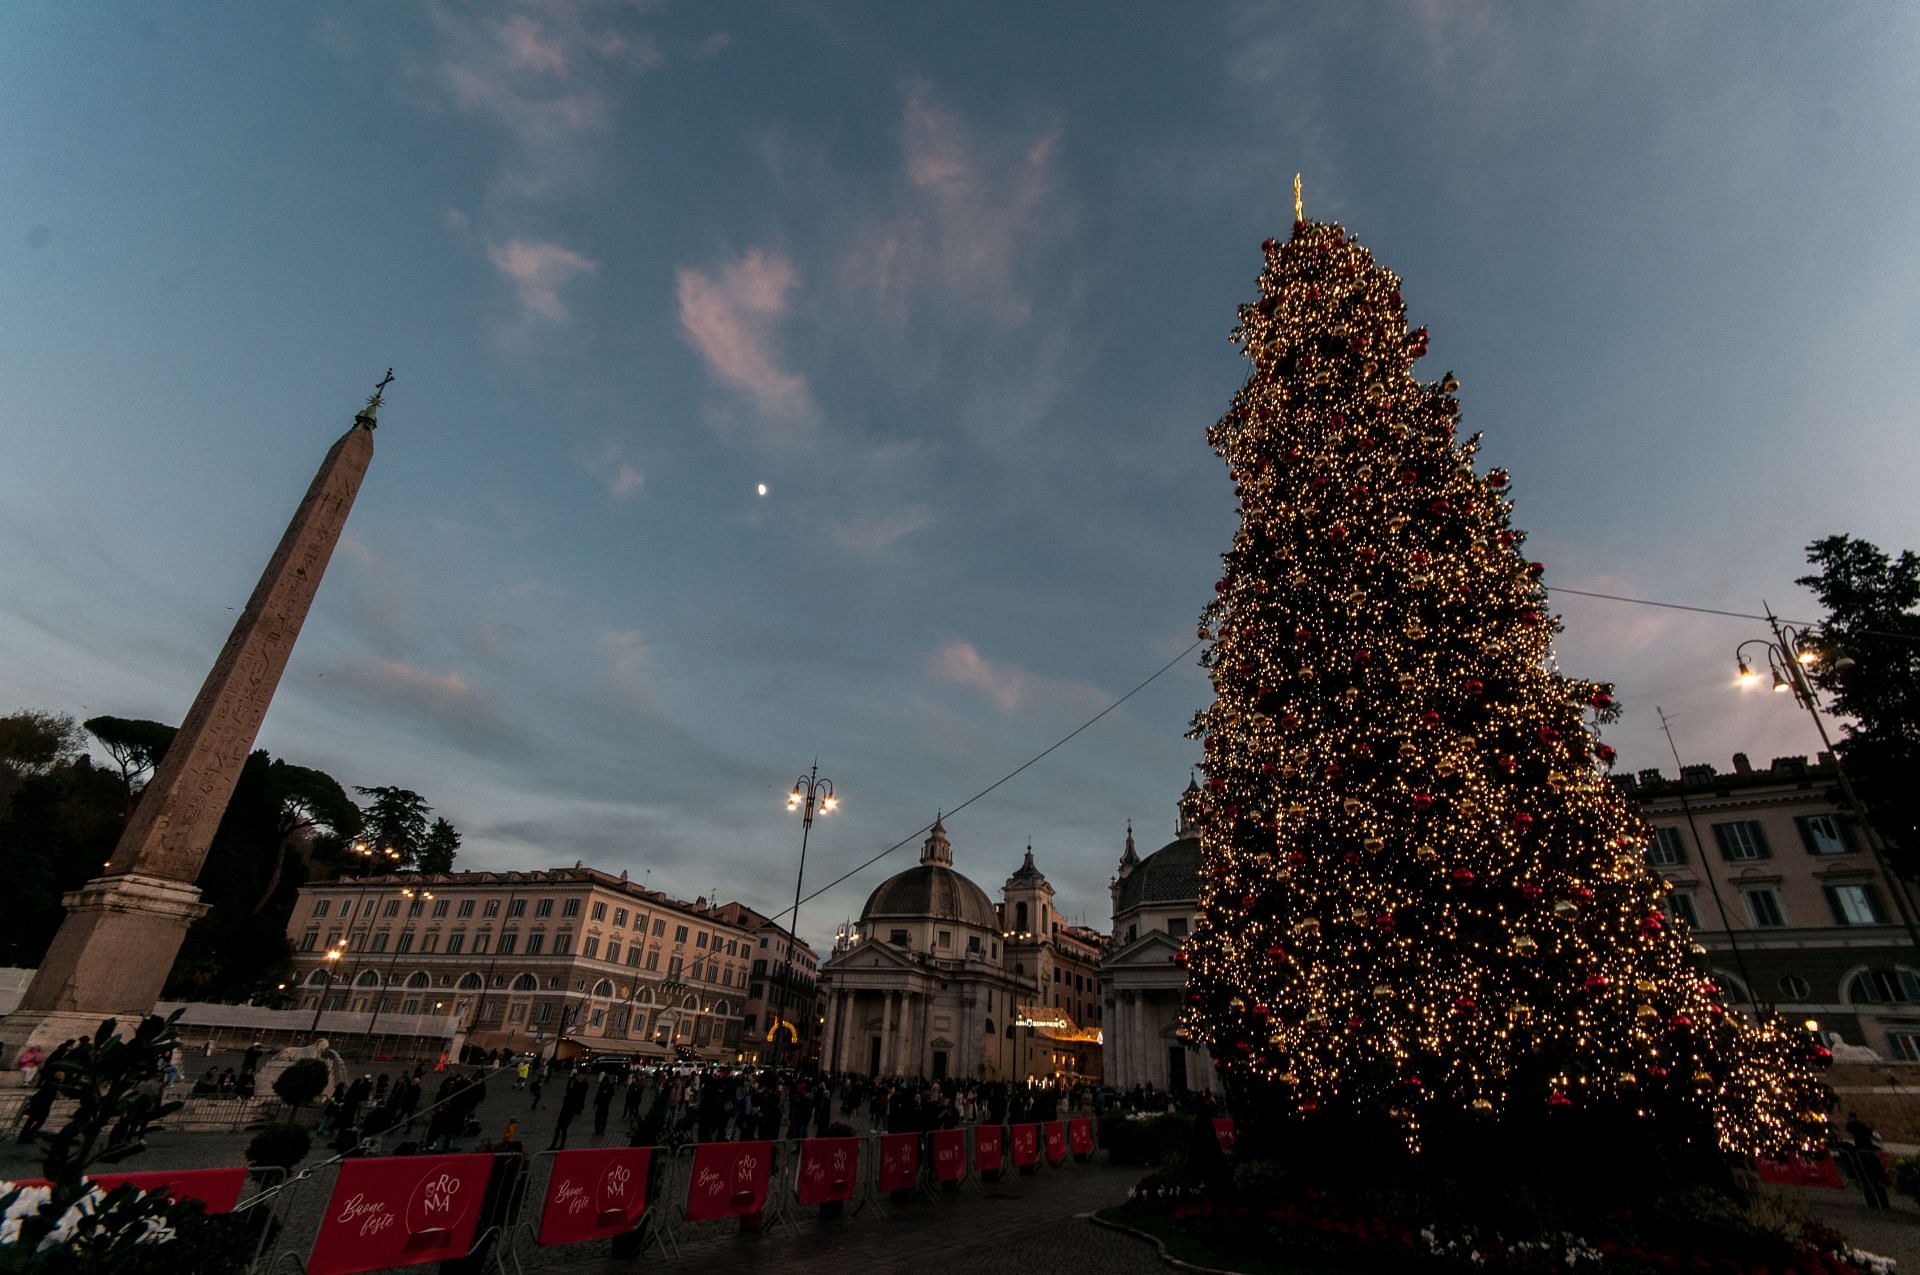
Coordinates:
(1306,927)
(1565,908)
(1482,1107)
(1382,991)
(1373,845)
(1524,945)
(1446,766)
(1646,1013)
(1426,853)
(1351,805)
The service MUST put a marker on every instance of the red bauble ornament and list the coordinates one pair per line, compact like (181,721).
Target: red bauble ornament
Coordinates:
(1430,717)
(1536,568)
(1558,1098)
(1356,1021)
(1276,952)
(1497,478)
(1679,1023)
(1474,687)
(1363,657)
(1243,1046)
(1508,764)
(1605,753)
(1366,553)
(1216,783)
(1462,874)
(1219,586)
(1465,1004)
(1268,768)
(1422,801)
(1247,901)
(1333,770)
(1597,983)
(1269,245)
(1338,531)
(1522,821)
(1600,699)
(1196,999)
(1440,505)
(1547,734)
(1409,475)
(1261,1011)
(1529,890)
(1179,958)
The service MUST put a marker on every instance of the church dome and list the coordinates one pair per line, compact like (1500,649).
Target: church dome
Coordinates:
(932,890)
(1170,874)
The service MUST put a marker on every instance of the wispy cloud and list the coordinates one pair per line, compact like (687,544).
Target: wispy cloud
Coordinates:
(626,651)
(539,271)
(877,532)
(616,469)
(550,77)
(969,217)
(729,318)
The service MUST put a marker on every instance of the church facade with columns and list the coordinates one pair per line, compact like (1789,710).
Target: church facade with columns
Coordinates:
(1155,901)
(936,980)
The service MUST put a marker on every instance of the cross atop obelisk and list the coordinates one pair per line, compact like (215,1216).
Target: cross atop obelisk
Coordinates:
(123,929)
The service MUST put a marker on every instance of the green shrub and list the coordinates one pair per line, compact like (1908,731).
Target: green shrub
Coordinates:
(279,1146)
(1906,1175)
(301,1083)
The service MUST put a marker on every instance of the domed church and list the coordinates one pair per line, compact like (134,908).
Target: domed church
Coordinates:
(1155,900)
(932,981)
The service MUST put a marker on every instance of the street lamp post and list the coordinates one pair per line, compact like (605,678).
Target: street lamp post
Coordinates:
(333,956)
(1788,657)
(811,795)
(386,980)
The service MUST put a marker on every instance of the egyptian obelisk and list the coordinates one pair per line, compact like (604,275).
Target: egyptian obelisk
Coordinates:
(124,928)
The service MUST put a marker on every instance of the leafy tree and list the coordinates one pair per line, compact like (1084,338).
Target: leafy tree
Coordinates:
(1426,920)
(395,820)
(1870,665)
(443,842)
(308,801)
(55,835)
(33,742)
(136,746)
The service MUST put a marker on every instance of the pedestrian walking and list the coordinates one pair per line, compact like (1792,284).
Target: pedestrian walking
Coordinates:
(572,1102)
(602,1105)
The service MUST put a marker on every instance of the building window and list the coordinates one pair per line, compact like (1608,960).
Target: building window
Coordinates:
(946,938)
(543,1012)
(897,937)
(1795,988)
(1856,905)
(517,907)
(536,943)
(653,959)
(1177,926)
(763,944)
(544,907)
(1131,933)
(1741,841)
(1763,907)
(659,927)
(699,972)
(492,908)
(562,944)
(321,908)
(973,945)
(1882,987)
(455,942)
(406,942)
(679,934)
(572,908)
(633,956)
(439,908)
(673,967)
(1824,834)
(619,916)
(480,942)
(466,909)
(700,940)
(308,940)
(507,943)
(1666,850)
(416,907)
(1905,1045)
(590,948)
(613,949)
(380,941)
(1682,906)
(393,907)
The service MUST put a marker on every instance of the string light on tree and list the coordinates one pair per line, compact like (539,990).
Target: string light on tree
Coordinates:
(1422,900)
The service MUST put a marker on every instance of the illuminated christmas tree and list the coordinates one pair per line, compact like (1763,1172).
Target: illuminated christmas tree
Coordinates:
(1425,909)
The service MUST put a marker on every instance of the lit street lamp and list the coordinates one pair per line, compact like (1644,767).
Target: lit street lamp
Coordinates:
(332,958)
(1788,657)
(386,980)
(811,795)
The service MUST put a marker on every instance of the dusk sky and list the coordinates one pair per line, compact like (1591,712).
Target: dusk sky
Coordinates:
(955,283)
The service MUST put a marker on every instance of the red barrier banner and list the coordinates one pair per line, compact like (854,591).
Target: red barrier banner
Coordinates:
(218,1189)
(594,1194)
(899,1161)
(400,1211)
(1056,1142)
(829,1170)
(729,1179)
(948,1147)
(1080,1136)
(1026,1144)
(1223,1131)
(988,1153)
(1801,1171)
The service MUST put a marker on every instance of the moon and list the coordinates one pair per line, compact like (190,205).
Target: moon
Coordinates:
(762,489)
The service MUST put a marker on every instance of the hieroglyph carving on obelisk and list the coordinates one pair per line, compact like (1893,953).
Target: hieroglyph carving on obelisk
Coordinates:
(123,929)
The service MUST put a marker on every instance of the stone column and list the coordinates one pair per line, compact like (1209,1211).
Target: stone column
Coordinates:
(123,929)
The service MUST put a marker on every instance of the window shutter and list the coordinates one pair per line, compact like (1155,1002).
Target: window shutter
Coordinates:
(1804,824)
(1726,846)
(1873,903)
(1833,902)
(1759,835)
(1847,836)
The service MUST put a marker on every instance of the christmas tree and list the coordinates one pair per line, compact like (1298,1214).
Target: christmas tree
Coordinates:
(1425,908)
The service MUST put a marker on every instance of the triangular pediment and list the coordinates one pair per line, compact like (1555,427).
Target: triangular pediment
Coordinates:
(870,955)
(1154,948)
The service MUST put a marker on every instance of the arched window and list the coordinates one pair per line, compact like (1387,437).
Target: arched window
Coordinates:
(1009,1031)
(603,988)
(317,978)
(470,982)
(1043,918)
(692,1002)
(1020,917)
(1795,988)
(644,996)
(525,983)
(989,1027)
(367,978)
(419,979)
(1019,967)
(1881,987)
(720,1007)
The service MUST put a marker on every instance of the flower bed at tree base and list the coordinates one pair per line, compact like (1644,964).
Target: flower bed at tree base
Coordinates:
(1251,1229)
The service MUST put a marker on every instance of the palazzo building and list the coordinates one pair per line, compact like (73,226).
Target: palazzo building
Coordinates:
(935,980)
(1155,900)
(1775,878)
(568,960)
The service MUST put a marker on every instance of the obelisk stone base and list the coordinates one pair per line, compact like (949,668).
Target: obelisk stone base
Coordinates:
(115,951)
